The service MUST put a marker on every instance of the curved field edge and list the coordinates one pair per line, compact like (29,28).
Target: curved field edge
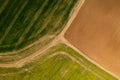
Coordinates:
(17,55)
(30,20)
(58,62)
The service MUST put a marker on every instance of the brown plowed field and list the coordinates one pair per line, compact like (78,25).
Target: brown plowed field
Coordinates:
(96,32)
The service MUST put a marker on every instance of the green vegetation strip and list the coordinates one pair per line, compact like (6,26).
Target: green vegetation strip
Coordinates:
(54,65)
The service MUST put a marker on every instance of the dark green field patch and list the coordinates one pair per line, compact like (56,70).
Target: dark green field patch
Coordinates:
(24,22)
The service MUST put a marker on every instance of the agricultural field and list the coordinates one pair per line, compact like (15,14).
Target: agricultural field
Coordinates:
(33,46)
(30,25)
(60,62)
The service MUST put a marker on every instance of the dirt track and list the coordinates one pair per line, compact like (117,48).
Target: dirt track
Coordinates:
(57,40)
(96,32)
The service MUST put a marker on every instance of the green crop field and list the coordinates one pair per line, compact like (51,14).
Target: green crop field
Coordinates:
(22,22)
(28,25)
(58,63)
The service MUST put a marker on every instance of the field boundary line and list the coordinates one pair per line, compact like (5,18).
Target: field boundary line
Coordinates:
(65,41)
(31,57)
(72,16)
(77,61)
(34,43)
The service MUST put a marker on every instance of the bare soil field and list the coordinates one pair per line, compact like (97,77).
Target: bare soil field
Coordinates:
(96,32)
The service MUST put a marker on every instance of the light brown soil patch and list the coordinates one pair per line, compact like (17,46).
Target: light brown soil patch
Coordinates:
(96,32)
